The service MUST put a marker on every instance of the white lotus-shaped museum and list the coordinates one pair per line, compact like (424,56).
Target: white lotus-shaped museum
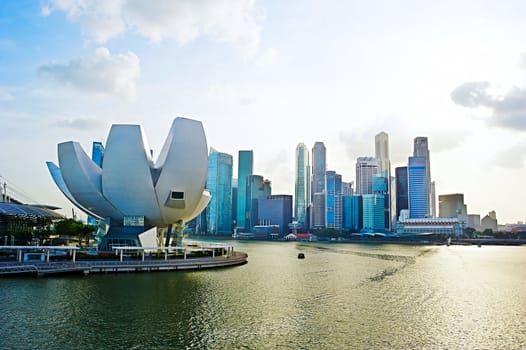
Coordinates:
(129,188)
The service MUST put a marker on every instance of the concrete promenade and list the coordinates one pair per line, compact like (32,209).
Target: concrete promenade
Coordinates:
(113,266)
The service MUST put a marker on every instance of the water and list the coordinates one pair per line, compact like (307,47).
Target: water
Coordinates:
(341,296)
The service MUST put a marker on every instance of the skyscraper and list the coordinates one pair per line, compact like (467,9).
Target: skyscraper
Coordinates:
(245,169)
(352,213)
(301,185)
(417,188)
(366,170)
(257,188)
(333,200)
(381,152)
(421,149)
(319,167)
(373,212)
(97,153)
(402,190)
(219,183)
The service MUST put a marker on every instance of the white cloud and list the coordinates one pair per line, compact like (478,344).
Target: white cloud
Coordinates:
(508,108)
(100,73)
(81,123)
(100,19)
(234,22)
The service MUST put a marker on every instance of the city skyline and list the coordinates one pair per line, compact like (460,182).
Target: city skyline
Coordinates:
(266,76)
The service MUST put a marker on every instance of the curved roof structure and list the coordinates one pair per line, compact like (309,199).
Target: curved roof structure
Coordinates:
(28,210)
(129,183)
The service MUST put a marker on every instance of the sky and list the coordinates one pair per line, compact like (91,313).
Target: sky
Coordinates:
(267,75)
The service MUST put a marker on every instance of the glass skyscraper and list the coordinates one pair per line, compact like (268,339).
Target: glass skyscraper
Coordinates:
(256,189)
(417,188)
(366,170)
(402,190)
(352,213)
(373,212)
(219,183)
(381,152)
(319,167)
(97,153)
(333,200)
(301,191)
(245,169)
(421,149)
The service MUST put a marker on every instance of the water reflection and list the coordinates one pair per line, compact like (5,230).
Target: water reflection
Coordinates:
(340,296)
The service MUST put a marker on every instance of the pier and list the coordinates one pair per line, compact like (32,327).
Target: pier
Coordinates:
(222,256)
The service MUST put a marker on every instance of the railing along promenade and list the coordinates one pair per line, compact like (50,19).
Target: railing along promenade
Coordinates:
(136,264)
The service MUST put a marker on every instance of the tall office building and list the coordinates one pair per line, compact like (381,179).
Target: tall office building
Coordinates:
(347,188)
(319,167)
(301,185)
(381,152)
(234,202)
(381,186)
(257,188)
(417,188)
(219,183)
(373,212)
(333,200)
(244,170)
(97,153)
(366,170)
(318,210)
(352,213)
(421,149)
(402,190)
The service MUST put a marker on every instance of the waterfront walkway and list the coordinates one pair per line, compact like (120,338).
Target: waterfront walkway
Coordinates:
(112,266)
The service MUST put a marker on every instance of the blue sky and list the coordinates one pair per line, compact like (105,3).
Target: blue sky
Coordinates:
(266,75)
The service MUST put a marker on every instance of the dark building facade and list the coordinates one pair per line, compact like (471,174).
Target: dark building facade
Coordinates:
(402,190)
(276,210)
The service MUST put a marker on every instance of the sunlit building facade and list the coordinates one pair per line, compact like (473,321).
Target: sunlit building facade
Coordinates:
(219,183)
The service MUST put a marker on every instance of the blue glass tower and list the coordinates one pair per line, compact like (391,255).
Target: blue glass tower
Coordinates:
(352,213)
(417,188)
(219,183)
(333,200)
(373,212)
(244,170)
(97,153)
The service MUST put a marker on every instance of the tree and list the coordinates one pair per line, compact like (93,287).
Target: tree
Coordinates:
(72,228)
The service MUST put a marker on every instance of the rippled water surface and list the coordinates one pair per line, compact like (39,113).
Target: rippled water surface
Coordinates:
(341,296)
